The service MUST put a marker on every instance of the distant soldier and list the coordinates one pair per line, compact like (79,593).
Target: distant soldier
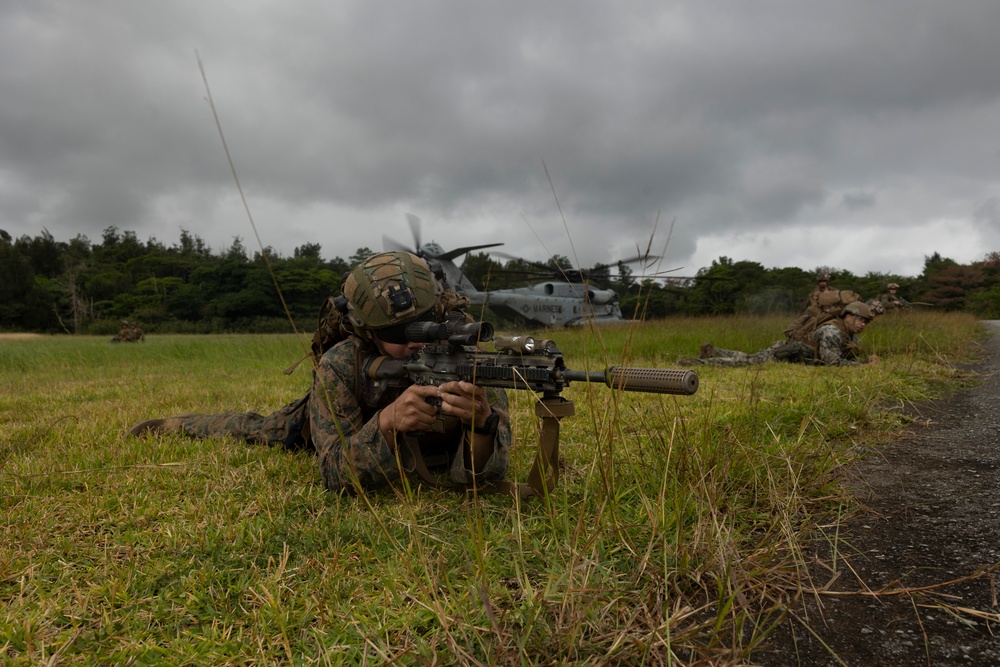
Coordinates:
(890,301)
(128,333)
(822,285)
(822,303)
(834,343)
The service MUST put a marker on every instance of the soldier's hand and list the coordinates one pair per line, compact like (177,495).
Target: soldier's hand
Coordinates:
(409,412)
(872,359)
(465,401)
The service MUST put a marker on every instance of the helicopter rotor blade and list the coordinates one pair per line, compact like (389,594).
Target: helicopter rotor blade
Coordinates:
(506,255)
(391,245)
(645,259)
(458,252)
(414,222)
(418,249)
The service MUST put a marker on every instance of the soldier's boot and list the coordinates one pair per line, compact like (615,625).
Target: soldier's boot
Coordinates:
(159,426)
(707,351)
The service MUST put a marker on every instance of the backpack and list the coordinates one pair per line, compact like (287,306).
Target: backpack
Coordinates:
(828,307)
(329,331)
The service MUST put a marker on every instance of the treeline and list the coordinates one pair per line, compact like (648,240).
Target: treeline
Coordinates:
(83,287)
(728,286)
(89,287)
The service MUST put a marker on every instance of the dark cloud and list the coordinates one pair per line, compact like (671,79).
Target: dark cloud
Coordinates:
(855,201)
(748,120)
(989,213)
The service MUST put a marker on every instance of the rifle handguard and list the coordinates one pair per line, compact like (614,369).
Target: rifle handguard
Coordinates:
(650,380)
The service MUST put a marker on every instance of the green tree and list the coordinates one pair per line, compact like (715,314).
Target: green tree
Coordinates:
(17,284)
(947,288)
(718,289)
(482,270)
(309,251)
(360,255)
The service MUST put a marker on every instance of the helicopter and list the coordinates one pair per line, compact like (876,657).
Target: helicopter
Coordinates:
(567,302)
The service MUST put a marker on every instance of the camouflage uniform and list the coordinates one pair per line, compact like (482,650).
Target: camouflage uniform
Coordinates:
(891,302)
(830,345)
(778,351)
(335,420)
(836,346)
(128,333)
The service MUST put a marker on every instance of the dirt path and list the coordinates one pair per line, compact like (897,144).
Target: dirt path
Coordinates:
(935,517)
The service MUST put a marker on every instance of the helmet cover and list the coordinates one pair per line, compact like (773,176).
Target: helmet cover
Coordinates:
(857,308)
(388,289)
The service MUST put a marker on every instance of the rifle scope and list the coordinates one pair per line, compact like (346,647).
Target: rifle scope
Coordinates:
(455,333)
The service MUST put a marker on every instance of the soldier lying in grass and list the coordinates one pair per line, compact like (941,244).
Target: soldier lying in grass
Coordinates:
(832,343)
(358,433)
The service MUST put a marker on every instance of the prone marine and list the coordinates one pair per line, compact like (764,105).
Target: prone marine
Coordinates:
(358,440)
(833,343)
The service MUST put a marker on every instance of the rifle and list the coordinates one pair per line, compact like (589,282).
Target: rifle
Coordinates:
(451,353)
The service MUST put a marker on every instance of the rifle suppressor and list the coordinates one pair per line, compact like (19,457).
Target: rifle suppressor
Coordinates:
(651,380)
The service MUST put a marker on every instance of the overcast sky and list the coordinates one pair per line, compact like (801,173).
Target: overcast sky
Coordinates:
(857,135)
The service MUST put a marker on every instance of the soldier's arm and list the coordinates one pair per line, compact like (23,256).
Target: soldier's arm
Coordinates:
(485,456)
(496,466)
(351,450)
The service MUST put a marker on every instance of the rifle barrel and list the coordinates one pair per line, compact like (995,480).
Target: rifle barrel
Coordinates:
(650,380)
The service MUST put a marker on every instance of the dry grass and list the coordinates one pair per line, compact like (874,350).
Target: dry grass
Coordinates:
(19,336)
(674,536)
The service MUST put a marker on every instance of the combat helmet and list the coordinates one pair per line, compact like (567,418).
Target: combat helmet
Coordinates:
(857,308)
(388,290)
(822,277)
(892,286)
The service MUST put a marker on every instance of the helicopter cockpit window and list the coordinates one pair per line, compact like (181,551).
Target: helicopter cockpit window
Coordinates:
(549,289)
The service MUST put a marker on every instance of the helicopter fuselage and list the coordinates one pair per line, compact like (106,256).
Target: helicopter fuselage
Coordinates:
(552,303)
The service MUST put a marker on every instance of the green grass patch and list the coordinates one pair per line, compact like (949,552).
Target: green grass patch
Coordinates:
(675,535)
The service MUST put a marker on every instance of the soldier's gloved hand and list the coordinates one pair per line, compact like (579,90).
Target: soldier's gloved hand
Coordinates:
(465,401)
(409,412)
(872,359)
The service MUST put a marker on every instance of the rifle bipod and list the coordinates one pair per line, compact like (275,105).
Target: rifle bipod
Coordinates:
(544,473)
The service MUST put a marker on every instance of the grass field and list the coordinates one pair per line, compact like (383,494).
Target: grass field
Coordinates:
(676,533)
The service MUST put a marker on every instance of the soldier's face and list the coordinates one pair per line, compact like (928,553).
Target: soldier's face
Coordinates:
(855,323)
(397,350)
